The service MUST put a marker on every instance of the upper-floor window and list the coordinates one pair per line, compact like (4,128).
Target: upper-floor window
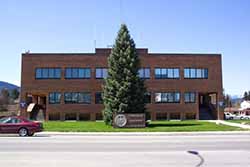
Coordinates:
(167,73)
(144,73)
(98,98)
(54,98)
(189,97)
(77,73)
(167,97)
(48,73)
(196,73)
(101,73)
(77,97)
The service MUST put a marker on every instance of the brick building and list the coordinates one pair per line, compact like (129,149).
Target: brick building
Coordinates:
(68,86)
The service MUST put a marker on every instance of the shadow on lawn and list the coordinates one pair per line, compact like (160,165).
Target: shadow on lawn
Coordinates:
(171,125)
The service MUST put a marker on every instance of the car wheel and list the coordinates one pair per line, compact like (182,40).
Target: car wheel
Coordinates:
(241,118)
(23,132)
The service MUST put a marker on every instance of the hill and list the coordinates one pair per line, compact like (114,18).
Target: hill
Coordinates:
(9,86)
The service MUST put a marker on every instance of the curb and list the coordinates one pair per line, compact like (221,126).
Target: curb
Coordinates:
(145,133)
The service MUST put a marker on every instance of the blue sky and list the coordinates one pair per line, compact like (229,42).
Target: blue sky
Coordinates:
(175,26)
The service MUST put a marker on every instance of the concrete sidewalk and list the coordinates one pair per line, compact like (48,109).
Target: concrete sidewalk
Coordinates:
(231,124)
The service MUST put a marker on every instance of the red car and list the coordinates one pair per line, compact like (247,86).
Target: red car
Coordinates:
(20,125)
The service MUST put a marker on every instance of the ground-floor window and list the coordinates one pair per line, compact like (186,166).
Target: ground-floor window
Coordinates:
(190,116)
(84,117)
(54,116)
(175,116)
(99,116)
(70,116)
(161,116)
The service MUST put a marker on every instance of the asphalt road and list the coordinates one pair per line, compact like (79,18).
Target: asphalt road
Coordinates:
(106,151)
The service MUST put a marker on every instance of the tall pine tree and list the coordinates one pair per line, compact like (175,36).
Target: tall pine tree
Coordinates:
(124,90)
(245,96)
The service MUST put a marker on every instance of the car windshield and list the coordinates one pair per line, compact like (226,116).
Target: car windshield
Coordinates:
(4,120)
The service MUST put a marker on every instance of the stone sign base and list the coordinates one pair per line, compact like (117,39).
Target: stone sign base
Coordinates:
(129,120)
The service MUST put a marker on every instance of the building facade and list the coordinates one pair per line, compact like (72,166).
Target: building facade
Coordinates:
(68,86)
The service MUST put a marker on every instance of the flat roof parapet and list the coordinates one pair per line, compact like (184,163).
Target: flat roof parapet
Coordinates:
(105,51)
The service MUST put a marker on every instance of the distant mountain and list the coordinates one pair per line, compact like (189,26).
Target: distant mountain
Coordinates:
(236,97)
(9,86)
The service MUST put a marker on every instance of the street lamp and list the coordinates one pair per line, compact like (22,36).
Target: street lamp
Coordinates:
(197,154)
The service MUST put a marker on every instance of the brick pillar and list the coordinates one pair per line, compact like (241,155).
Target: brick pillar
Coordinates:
(46,115)
(183,116)
(197,106)
(77,116)
(62,116)
(168,116)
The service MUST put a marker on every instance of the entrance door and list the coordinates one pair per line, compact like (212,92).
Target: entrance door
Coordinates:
(207,106)
(39,111)
(204,100)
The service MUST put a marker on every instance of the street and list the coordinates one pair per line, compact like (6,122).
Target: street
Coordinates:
(119,150)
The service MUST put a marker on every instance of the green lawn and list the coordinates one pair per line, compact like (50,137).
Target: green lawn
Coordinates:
(155,126)
(240,121)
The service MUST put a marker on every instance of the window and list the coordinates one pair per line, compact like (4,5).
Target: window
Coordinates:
(167,97)
(4,119)
(189,97)
(38,73)
(148,97)
(77,73)
(196,73)
(14,121)
(67,97)
(161,116)
(84,98)
(98,98)
(54,98)
(48,73)
(77,97)
(9,120)
(167,73)
(101,73)
(144,73)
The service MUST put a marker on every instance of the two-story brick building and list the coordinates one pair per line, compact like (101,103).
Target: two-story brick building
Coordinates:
(68,86)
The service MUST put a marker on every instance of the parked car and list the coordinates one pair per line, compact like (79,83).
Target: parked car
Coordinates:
(229,115)
(245,117)
(19,125)
(237,117)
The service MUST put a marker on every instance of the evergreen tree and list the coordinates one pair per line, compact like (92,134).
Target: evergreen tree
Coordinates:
(14,94)
(5,96)
(228,102)
(245,96)
(123,90)
(248,97)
